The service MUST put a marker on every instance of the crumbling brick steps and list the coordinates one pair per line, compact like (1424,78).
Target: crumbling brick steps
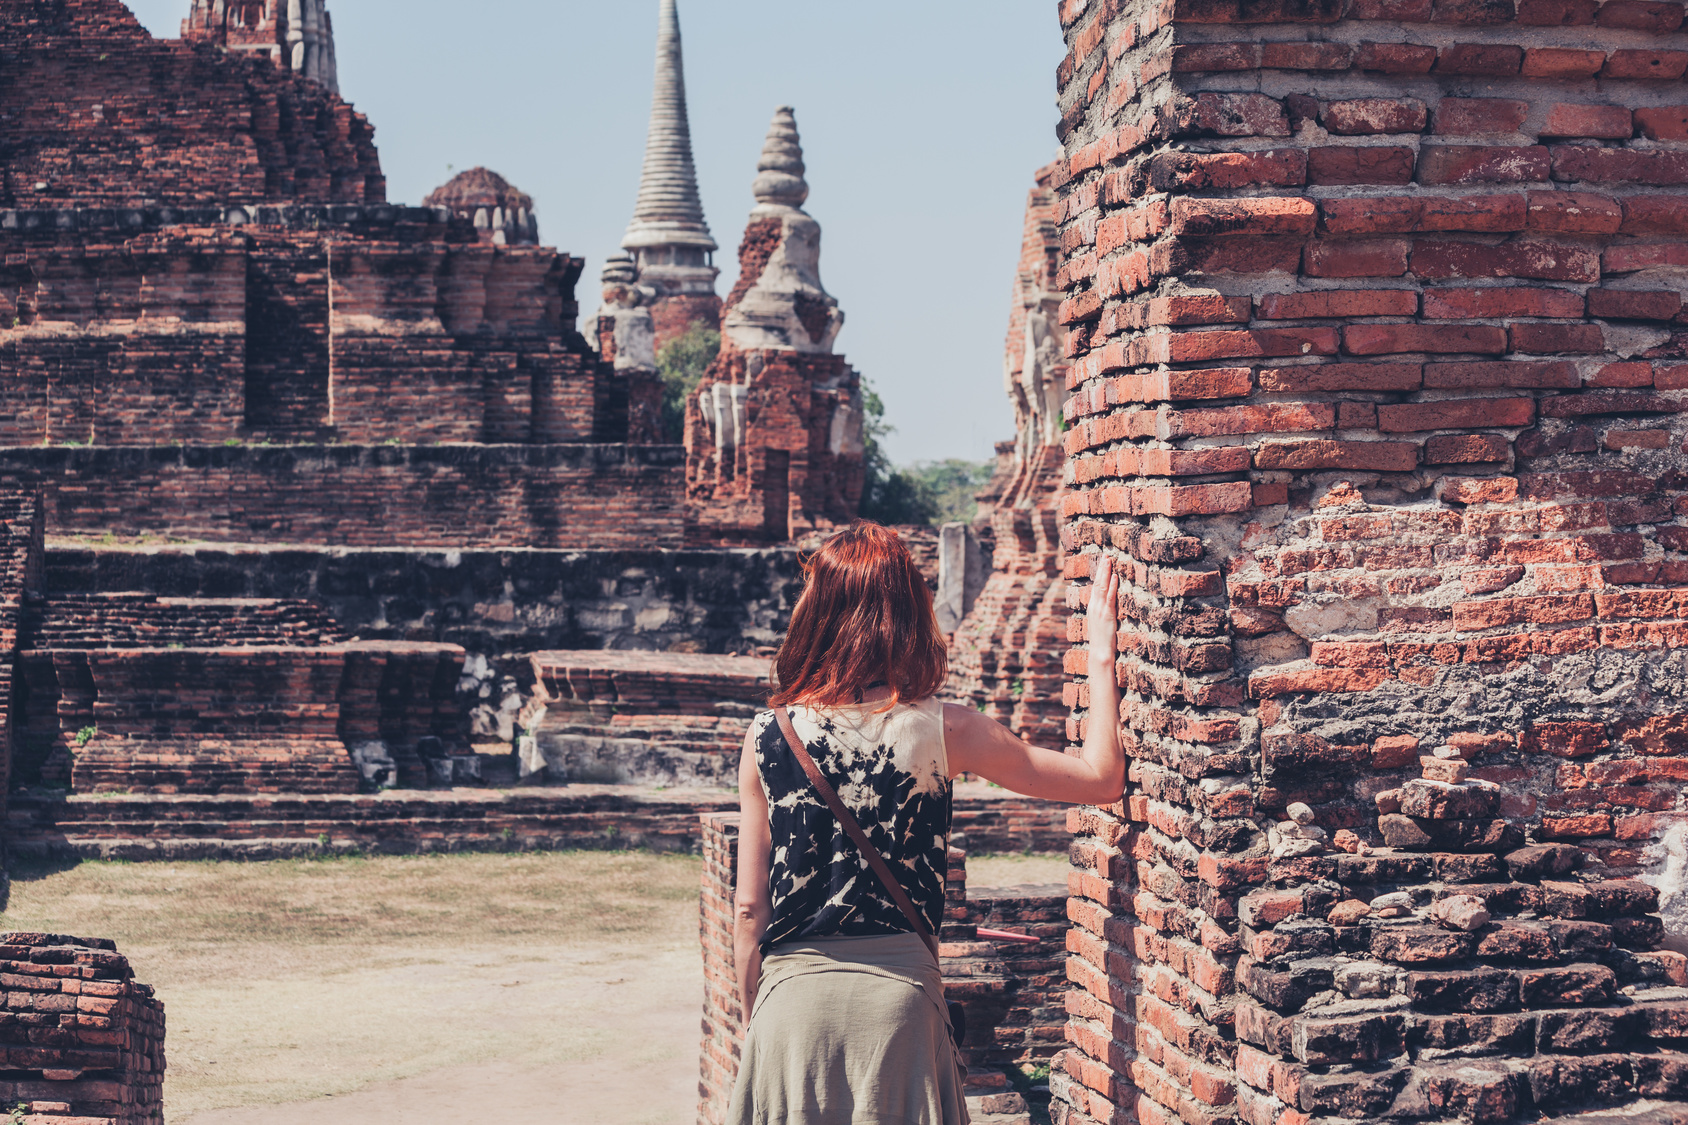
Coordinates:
(83,1042)
(1454,984)
(244,718)
(645,717)
(267,826)
(139,620)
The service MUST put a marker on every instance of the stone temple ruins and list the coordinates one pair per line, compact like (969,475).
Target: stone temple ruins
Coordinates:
(1352,329)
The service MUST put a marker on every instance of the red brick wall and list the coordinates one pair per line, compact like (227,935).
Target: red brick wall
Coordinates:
(606,496)
(84,1039)
(100,113)
(1376,398)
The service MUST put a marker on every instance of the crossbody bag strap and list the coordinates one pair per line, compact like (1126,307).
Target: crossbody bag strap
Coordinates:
(854,831)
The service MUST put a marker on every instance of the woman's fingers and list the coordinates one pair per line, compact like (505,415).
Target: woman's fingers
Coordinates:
(1104,590)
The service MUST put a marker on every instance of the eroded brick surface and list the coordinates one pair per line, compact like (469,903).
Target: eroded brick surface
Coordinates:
(83,1040)
(1404,665)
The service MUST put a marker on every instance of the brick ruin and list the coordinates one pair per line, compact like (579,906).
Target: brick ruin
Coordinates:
(297,36)
(83,1041)
(774,432)
(1006,657)
(1372,324)
(217,338)
(180,294)
(500,213)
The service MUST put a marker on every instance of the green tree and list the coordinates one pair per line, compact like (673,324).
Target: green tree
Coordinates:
(889,494)
(952,484)
(681,363)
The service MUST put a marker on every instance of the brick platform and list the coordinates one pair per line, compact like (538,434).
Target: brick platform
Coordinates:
(647,717)
(258,826)
(258,718)
(83,1041)
(1376,377)
(604,496)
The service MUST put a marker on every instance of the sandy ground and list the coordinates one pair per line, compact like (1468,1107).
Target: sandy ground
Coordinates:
(556,988)
(610,1036)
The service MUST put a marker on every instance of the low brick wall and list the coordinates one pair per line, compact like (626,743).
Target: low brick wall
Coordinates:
(83,1041)
(1025,1021)
(723,1016)
(21,537)
(600,496)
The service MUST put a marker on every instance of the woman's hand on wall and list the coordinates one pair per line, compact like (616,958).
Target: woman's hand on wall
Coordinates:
(1096,775)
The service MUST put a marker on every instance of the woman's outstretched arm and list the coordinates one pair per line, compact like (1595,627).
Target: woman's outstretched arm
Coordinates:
(978,744)
(752,908)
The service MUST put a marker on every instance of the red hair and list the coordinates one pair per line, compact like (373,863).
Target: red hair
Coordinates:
(865,618)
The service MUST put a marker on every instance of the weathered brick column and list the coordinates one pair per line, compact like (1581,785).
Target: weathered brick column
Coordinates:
(1377,390)
(83,1040)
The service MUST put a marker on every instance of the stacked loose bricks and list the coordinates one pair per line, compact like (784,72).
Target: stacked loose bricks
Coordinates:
(83,1041)
(1376,399)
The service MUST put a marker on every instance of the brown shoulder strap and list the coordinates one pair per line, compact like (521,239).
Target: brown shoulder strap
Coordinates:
(854,831)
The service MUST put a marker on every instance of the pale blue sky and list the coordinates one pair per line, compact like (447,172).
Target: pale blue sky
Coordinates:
(922,123)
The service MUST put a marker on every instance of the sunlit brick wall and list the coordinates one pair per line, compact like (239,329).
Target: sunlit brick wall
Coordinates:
(1376,397)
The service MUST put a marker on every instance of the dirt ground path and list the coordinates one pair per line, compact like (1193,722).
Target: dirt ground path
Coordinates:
(556,988)
(622,1029)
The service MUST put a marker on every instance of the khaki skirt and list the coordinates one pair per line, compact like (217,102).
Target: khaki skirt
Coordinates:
(850,1031)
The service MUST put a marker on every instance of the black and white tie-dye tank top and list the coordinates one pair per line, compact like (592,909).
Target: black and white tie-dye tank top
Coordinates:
(890,770)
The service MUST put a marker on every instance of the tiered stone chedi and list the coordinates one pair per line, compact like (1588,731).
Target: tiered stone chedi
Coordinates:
(774,432)
(667,240)
(1376,375)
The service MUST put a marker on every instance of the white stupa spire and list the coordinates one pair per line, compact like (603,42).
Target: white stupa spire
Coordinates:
(786,308)
(669,211)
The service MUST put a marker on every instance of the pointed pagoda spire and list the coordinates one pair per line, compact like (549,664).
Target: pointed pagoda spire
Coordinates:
(785,308)
(669,211)
(779,180)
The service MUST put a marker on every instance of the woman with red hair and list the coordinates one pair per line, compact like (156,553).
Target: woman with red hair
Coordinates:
(836,962)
